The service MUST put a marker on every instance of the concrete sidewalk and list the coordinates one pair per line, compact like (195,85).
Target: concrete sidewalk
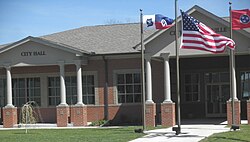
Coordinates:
(189,133)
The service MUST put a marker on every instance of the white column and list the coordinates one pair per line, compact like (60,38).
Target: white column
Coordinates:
(9,87)
(167,82)
(148,80)
(79,82)
(234,86)
(62,84)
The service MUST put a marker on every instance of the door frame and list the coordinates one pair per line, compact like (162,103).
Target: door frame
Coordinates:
(220,84)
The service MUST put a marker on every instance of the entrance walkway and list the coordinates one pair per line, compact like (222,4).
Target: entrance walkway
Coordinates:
(189,133)
(192,130)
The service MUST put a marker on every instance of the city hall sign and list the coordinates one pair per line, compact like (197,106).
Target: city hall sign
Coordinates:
(32,53)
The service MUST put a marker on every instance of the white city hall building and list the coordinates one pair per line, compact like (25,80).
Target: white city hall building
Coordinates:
(93,73)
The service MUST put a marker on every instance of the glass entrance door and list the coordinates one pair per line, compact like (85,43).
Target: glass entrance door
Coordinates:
(216,97)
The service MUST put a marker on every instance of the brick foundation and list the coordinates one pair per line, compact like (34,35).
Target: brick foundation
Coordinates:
(236,112)
(248,112)
(62,114)
(168,114)
(9,117)
(79,115)
(150,114)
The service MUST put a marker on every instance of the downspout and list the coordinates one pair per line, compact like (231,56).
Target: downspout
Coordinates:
(106,103)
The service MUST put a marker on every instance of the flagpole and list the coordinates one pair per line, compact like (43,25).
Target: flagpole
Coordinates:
(178,131)
(232,75)
(142,73)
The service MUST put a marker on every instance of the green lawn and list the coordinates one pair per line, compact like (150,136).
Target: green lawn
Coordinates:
(70,135)
(242,135)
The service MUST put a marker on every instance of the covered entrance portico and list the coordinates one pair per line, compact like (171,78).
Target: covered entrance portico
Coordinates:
(32,52)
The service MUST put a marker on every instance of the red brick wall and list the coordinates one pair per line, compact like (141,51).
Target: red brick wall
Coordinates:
(150,114)
(9,117)
(168,114)
(118,114)
(237,113)
(62,114)
(79,115)
(95,113)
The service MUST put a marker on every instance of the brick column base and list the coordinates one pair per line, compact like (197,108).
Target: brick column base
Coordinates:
(79,115)
(9,117)
(168,114)
(248,111)
(237,112)
(62,114)
(150,114)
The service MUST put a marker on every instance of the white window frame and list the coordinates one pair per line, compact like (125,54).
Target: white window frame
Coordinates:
(125,71)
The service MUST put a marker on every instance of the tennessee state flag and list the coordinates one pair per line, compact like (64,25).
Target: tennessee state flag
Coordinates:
(157,21)
(240,19)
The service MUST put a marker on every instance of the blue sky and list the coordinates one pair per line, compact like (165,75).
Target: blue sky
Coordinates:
(22,18)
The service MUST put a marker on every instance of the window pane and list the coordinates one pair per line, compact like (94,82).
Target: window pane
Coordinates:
(245,84)
(120,79)
(74,100)
(215,77)
(84,91)
(84,80)
(129,98)
(129,89)
(137,97)
(187,78)
(21,83)
(67,81)
(195,78)
(224,77)
(21,102)
(195,88)
(51,101)
(121,89)
(85,99)
(22,92)
(129,78)
(91,90)
(137,78)
(188,97)
(90,80)
(91,99)
(38,101)
(74,91)
(188,88)
(51,81)
(137,89)
(73,80)
(57,81)
(37,82)
(121,99)
(195,97)
(57,101)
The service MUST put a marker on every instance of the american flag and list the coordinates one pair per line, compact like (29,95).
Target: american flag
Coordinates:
(196,35)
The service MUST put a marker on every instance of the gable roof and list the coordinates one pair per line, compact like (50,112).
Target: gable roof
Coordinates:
(104,39)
